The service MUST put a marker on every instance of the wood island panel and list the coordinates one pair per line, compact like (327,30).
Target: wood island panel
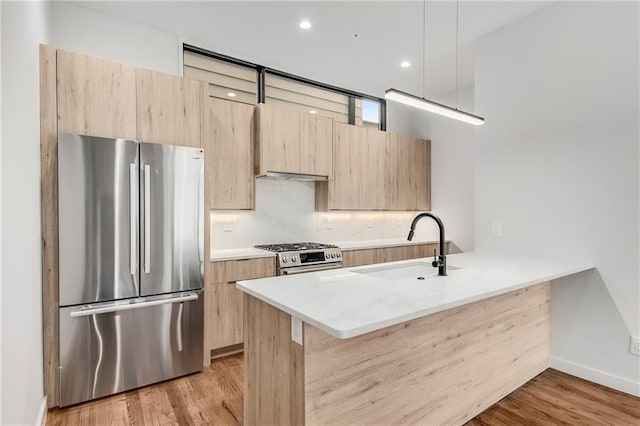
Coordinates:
(438,369)
(273,367)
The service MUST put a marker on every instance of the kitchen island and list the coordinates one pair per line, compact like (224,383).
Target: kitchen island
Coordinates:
(395,343)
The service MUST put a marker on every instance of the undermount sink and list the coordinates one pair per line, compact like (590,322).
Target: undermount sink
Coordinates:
(413,270)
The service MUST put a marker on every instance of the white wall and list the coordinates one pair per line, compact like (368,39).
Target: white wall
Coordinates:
(557,162)
(24,27)
(80,30)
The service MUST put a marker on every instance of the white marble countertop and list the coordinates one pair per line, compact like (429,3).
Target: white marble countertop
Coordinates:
(371,244)
(239,254)
(347,302)
(252,253)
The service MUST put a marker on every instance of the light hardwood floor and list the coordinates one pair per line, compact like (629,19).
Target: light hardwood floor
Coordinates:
(215,397)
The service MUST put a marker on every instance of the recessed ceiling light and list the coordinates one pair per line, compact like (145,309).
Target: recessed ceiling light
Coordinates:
(405,64)
(231,95)
(305,25)
(313,111)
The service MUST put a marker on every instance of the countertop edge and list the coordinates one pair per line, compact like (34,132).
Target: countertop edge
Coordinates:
(349,333)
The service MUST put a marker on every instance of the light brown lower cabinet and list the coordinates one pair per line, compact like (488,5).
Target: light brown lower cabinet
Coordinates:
(223,303)
(388,254)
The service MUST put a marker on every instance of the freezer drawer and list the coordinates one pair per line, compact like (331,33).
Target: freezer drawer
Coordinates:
(111,347)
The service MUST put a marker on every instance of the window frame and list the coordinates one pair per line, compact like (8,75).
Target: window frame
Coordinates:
(261,72)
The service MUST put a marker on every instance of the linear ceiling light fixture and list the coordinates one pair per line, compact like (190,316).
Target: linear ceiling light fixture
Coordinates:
(425,104)
(436,108)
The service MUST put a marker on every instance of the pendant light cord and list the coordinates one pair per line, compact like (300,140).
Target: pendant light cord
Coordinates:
(424,46)
(457,53)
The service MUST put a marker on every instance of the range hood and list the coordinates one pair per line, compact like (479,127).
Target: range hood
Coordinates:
(294,176)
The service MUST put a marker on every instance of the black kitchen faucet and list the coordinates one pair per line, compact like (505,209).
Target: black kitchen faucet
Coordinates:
(441,261)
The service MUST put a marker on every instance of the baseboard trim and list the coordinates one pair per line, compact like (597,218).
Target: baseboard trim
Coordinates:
(597,376)
(42,413)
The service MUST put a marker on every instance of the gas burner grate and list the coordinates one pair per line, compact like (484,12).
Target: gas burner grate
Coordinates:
(295,246)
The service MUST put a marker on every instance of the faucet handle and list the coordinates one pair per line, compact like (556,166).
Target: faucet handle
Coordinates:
(435,262)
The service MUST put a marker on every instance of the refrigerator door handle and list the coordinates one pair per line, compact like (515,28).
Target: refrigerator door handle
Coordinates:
(83,312)
(133,220)
(147,219)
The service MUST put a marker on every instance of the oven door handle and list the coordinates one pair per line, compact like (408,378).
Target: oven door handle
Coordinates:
(303,269)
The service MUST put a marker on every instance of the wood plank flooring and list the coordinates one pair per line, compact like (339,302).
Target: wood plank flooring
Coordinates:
(214,397)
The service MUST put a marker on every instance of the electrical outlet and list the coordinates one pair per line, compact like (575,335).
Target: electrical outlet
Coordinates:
(329,223)
(496,229)
(634,345)
(296,330)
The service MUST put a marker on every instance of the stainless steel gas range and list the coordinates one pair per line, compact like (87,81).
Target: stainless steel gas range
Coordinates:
(296,258)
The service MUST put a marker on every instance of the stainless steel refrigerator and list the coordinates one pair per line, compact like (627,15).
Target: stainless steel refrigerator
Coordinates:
(131,219)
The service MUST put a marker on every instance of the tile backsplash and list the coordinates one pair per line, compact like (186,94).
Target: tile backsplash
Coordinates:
(285,212)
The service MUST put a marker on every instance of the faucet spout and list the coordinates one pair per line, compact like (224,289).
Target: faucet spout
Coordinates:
(441,262)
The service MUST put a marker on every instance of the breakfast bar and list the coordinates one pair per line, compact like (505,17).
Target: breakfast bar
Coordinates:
(394,342)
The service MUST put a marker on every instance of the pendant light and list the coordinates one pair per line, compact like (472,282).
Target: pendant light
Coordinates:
(425,104)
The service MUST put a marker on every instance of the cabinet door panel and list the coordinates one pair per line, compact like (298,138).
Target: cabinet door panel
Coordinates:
(421,178)
(236,270)
(408,173)
(228,151)
(376,165)
(278,133)
(223,318)
(359,157)
(223,315)
(349,170)
(316,145)
(168,108)
(95,97)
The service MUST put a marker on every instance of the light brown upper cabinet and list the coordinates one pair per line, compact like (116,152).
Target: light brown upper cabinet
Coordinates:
(359,163)
(376,170)
(291,140)
(95,97)
(408,174)
(169,108)
(228,147)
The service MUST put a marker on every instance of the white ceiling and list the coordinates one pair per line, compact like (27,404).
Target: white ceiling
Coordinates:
(388,32)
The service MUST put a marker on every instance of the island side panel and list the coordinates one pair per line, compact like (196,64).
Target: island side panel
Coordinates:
(444,368)
(273,367)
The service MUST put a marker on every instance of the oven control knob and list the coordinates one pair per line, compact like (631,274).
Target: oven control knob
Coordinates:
(294,259)
(333,255)
(339,254)
(285,259)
